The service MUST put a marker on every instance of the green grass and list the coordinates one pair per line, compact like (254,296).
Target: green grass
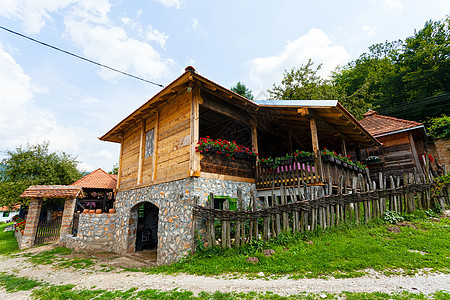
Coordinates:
(340,252)
(8,243)
(13,283)
(42,291)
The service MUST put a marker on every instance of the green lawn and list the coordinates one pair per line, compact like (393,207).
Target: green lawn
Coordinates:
(339,252)
(8,243)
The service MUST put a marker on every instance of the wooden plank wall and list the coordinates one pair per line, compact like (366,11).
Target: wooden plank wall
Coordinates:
(172,146)
(174,139)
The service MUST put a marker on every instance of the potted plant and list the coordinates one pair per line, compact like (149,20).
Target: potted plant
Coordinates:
(286,160)
(303,156)
(267,162)
(327,155)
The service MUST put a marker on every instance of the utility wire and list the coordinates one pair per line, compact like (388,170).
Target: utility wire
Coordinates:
(80,57)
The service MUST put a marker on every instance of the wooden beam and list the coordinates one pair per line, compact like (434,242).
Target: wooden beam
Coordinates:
(303,112)
(254,129)
(119,171)
(343,147)
(141,153)
(155,146)
(314,137)
(194,161)
(217,107)
(414,152)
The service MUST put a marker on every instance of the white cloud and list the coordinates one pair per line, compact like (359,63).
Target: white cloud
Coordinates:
(21,120)
(33,14)
(172,3)
(104,154)
(369,30)
(196,27)
(110,45)
(315,45)
(157,36)
(90,100)
(394,4)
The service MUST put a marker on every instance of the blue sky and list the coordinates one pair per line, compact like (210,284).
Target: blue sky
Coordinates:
(49,96)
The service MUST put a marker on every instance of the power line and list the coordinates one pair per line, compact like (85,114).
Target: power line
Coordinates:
(80,57)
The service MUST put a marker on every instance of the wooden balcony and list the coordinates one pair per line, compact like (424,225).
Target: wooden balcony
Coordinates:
(317,171)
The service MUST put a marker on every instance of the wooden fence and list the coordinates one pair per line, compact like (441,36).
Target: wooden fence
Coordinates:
(300,208)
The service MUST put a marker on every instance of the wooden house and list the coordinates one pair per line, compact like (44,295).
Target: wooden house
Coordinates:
(403,144)
(161,169)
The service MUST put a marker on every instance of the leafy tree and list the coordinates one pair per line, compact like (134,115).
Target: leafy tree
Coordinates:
(34,165)
(305,84)
(439,127)
(393,74)
(242,90)
(115,169)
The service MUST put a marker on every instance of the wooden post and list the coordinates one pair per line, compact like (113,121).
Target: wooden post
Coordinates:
(254,131)
(212,228)
(285,214)
(254,208)
(194,227)
(251,223)
(226,239)
(155,146)
(356,204)
(266,221)
(141,153)
(194,162)
(414,151)
(237,236)
(119,171)
(343,147)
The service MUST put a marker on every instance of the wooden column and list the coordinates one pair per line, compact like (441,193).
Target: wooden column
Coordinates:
(414,151)
(343,147)
(254,126)
(155,145)
(31,224)
(314,138)
(194,161)
(119,171)
(141,153)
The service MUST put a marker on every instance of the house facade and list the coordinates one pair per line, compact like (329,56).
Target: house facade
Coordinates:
(161,172)
(403,145)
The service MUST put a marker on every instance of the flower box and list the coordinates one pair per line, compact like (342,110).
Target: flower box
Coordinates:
(338,162)
(287,162)
(344,165)
(269,164)
(328,158)
(304,159)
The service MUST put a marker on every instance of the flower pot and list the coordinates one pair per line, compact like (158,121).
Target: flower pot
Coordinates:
(85,211)
(338,162)
(22,231)
(328,159)
(98,211)
(92,211)
(287,162)
(239,155)
(112,210)
(269,164)
(344,165)
(304,159)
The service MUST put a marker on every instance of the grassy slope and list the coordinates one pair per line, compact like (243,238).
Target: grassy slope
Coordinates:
(340,252)
(8,243)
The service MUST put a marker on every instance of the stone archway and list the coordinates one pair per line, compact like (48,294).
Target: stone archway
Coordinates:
(143,227)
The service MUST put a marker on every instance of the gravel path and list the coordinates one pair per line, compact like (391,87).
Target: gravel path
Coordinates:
(375,282)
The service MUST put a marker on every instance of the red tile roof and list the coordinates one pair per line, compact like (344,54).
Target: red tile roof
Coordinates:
(380,125)
(97,179)
(7,208)
(52,191)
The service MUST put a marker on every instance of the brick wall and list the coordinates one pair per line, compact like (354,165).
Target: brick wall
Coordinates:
(443,151)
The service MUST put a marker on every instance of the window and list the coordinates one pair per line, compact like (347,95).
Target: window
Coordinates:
(149,137)
(218,202)
(6,214)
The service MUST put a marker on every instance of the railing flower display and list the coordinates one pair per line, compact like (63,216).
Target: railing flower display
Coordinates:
(345,161)
(225,148)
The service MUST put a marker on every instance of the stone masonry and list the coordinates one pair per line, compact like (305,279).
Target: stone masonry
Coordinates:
(117,232)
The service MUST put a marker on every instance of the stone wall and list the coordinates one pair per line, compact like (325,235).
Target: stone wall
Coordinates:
(443,150)
(95,233)
(175,201)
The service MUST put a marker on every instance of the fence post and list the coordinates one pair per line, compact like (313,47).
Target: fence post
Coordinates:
(226,227)
(237,236)
(355,204)
(254,208)
(211,228)
(266,220)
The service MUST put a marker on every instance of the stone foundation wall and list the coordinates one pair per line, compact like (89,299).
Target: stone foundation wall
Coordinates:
(95,233)
(175,201)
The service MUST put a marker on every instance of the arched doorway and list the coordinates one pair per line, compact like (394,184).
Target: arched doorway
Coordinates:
(147,226)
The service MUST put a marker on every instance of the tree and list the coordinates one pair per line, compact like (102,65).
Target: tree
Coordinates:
(242,90)
(34,165)
(396,74)
(115,169)
(304,83)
